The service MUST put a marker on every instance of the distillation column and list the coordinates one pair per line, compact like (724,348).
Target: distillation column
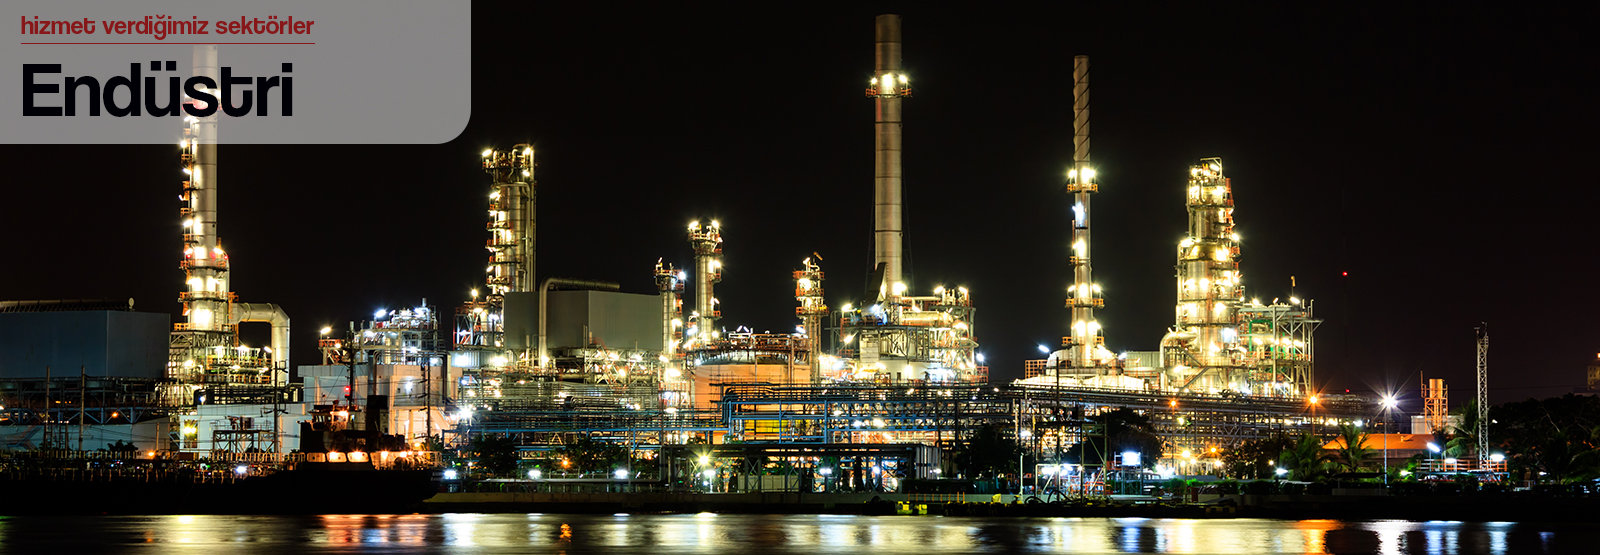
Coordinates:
(707,243)
(808,291)
(888,86)
(205,303)
(1086,352)
(512,250)
(1209,288)
(512,217)
(669,281)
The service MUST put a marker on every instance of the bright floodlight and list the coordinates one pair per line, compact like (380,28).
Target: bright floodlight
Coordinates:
(450,474)
(1043,349)
(1389,401)
(535,474)
(1130,458)
(1433,447)
(1497,457)
(241,470)
(622,473)
(326,330)
(1281,471)
(705,460)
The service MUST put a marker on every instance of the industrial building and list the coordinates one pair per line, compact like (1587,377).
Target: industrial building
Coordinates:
(545,359)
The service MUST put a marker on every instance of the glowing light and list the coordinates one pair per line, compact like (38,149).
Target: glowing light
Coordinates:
(450,474)
(1088,173)
(535,474)
(1497,457)
(1043,349)
(241,470)
(487,152)
(622,473)
(903,78)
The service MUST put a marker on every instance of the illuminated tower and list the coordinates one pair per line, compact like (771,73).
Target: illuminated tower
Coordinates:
(512,216)
(889,85)
(205,347)
(1086,352)
(707,243)
(1209,289)
(808,291)
(512,246)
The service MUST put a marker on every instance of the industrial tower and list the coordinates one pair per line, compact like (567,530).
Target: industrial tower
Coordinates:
(707,243)
(898,335)
(1209,286)
(204,350)
(1483,392)
(512,246)
(1086,354)
(889,86)
(812,309)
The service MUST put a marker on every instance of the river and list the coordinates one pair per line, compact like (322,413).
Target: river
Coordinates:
(740,534)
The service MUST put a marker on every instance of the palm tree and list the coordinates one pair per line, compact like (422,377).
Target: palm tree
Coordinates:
(1304,458)
(1354,448)
(1464,438)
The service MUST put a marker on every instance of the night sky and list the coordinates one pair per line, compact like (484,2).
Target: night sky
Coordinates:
(1442,156)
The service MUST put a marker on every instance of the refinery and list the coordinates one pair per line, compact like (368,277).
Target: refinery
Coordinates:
(888,387)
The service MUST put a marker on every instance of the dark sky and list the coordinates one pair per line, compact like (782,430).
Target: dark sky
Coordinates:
(1440,155)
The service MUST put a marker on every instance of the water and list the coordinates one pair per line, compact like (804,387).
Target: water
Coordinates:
(739,534)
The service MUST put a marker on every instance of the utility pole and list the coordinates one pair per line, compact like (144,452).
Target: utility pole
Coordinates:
(83,402)
(46,413)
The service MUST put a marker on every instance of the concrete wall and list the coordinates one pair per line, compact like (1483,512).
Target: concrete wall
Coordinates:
(103,343)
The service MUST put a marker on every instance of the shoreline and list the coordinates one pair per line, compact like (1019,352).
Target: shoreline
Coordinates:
(1464,508)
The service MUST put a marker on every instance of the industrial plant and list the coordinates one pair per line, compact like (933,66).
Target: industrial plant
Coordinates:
(881,390)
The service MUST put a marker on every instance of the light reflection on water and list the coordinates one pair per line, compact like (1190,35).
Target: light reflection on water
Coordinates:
(722,534)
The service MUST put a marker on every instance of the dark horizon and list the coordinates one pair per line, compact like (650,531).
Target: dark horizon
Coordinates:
(1433,153)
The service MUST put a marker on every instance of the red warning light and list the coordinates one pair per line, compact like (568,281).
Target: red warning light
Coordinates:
(1347,274)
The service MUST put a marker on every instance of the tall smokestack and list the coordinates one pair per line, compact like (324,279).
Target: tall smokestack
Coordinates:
(889,86)
(206,298)
(1086,349)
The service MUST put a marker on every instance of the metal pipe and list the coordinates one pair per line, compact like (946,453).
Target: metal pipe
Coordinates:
(272,314)
(888,233)
(544,306)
